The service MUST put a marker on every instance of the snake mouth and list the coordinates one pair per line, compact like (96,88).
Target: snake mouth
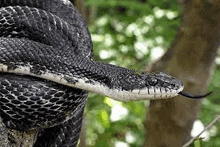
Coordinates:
(189,95)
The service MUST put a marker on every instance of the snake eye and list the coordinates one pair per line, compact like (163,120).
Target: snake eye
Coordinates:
(152,81)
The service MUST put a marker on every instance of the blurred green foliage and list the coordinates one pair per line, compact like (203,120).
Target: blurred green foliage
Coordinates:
(133,33)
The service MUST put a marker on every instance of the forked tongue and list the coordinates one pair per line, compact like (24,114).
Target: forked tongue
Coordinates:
(189,95)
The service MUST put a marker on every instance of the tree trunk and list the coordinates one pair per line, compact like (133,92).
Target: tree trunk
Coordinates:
(191,58)
(88,13)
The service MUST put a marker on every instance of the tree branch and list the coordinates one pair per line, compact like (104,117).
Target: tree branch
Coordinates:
(206,128)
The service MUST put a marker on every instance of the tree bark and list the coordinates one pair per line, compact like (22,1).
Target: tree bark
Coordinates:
(88,13)
(15,138)
(191,58)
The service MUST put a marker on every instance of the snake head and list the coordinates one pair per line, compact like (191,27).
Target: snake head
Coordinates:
(161,85)
(145,86)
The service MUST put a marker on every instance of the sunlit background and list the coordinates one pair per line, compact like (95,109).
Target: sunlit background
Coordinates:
(133,35)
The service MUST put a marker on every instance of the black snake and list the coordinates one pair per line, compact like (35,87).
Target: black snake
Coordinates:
(46,70)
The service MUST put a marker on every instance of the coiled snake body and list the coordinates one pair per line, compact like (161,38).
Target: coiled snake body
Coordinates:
(46,70)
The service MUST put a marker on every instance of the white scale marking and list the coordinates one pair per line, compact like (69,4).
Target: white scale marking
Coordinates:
(144,91)
(136,91)
(3,67)
(151,90)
